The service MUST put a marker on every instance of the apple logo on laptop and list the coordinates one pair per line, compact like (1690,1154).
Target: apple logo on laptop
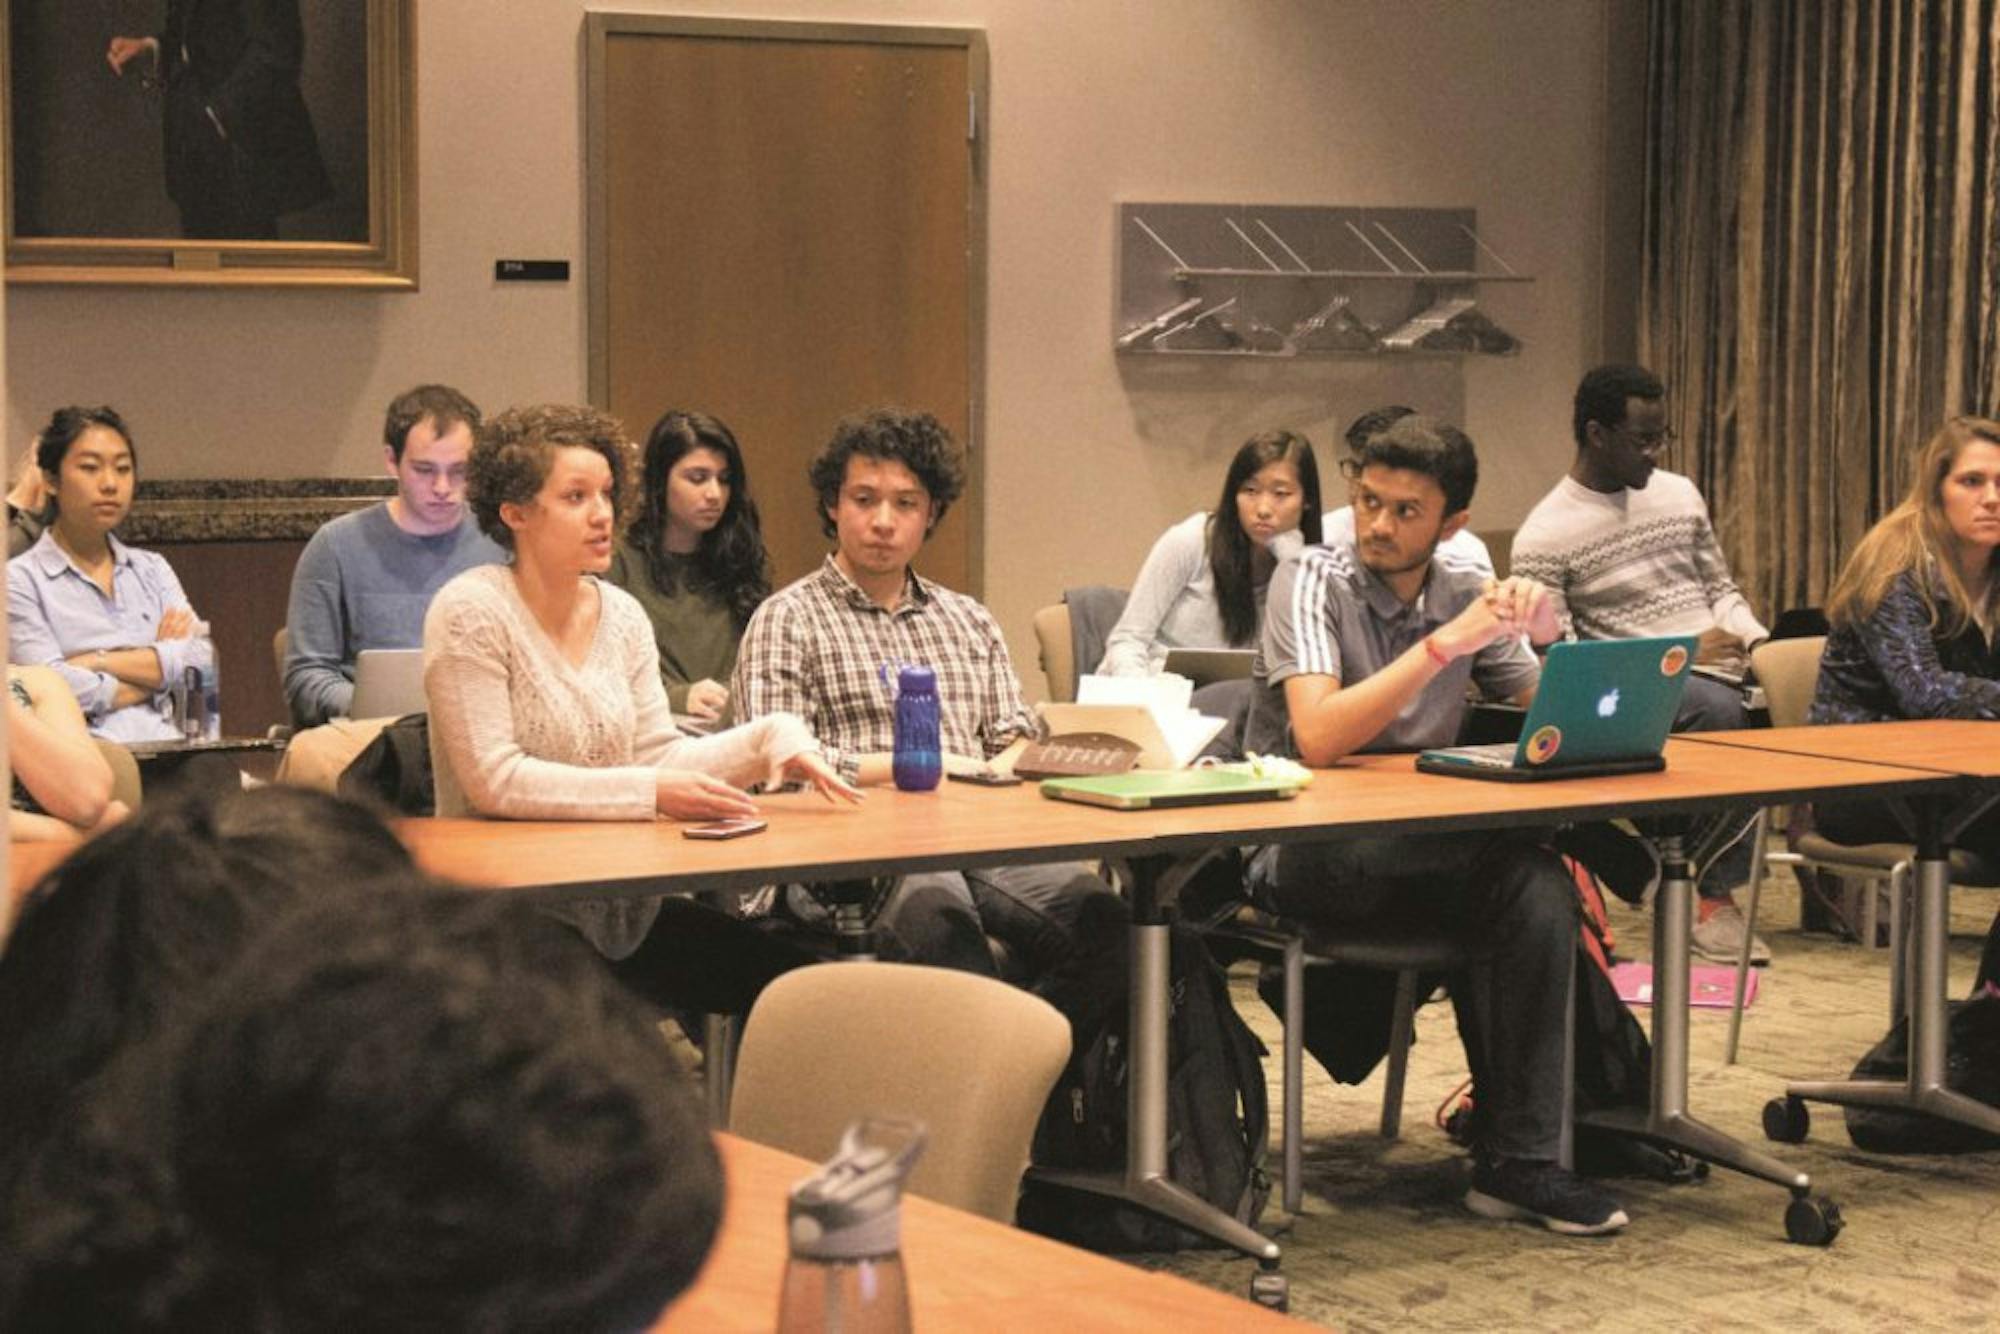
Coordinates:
(1608,706)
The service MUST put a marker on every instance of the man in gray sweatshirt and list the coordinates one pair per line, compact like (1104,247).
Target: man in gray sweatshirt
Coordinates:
(366,579)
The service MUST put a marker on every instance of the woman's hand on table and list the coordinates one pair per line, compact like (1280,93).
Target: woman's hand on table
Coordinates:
(683,794)
(811,767)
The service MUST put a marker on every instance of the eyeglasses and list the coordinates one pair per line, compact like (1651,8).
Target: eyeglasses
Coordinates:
(1666,435)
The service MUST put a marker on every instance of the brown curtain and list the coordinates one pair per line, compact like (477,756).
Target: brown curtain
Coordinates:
(1821,286)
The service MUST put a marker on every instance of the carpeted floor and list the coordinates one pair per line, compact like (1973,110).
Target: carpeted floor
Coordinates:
(1383,1242)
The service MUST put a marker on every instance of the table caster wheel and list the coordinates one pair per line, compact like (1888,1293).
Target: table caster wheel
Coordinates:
(1271,1289)
(1786,1120)
(1812,1221)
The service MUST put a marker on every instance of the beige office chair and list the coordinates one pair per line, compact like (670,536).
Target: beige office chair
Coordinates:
(1058,651)
(1788,670)
(972,1058)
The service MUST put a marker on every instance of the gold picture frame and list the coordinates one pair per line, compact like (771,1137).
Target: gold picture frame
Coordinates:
(86,149)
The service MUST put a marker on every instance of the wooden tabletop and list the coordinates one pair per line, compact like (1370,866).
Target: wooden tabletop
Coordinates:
(809,838)
(1942,745)
(1377,794)
(965,1272)
(960,825)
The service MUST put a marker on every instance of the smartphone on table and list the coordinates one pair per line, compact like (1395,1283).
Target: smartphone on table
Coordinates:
(983,777)
(724,828)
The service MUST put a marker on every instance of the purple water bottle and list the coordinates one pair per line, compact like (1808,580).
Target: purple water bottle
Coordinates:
(919,758)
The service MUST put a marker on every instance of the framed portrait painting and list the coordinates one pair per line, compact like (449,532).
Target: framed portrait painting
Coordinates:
(211,142)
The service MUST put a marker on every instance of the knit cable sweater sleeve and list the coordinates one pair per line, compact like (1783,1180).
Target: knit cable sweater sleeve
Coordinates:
(473,648)
(1725,600)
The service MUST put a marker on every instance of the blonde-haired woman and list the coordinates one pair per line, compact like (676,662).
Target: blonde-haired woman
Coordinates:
(1912,619)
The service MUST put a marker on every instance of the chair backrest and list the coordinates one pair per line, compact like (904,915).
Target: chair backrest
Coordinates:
(281,640)
(1052,633)
(972,1058)
(1788,669)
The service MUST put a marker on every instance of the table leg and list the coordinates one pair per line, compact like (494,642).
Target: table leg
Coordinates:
(718,1066)
(1145,1182)
(1924,1089)
(1667,1121)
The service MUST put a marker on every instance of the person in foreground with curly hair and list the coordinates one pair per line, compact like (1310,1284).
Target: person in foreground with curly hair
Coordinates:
(410,1111)
(816,648)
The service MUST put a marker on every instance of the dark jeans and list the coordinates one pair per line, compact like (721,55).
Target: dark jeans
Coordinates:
(709,961)
(944,917)
(1505,890)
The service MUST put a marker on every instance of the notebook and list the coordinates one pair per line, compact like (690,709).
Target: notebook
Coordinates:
(1604,706)
(1206,666)
(1709,986)
(388,683)
(1144,790)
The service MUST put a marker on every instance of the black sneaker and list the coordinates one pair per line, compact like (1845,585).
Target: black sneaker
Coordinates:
(1542,1192)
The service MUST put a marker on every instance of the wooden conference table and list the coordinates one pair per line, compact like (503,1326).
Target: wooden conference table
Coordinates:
(961,826)
(1969,751)
(965,1272)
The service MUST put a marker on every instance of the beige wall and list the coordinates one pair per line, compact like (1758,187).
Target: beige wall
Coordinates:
(1494,105)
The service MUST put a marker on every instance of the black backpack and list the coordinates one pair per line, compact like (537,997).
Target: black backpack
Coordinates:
(394,769)
(1972,1067)
(1218,1120)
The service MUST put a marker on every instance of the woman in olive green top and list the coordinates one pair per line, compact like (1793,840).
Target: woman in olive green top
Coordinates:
(694,558)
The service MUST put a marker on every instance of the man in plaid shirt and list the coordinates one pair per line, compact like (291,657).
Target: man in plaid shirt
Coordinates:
(818,647)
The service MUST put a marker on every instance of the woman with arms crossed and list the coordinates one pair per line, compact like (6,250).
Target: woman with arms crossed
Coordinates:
(1203,584)
(111,620)
(694,558)
(1913,618)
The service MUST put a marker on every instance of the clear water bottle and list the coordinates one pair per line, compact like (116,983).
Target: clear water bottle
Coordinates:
(845,1227)
(918,763)
(205,684)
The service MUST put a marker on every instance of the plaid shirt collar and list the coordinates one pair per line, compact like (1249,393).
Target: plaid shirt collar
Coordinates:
(835,583)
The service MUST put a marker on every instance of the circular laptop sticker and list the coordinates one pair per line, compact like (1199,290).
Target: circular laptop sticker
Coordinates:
(1544,744)
(1673,660)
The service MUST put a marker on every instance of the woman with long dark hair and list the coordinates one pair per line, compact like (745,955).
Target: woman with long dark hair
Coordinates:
(1203,585)
(694,557)
(111,620)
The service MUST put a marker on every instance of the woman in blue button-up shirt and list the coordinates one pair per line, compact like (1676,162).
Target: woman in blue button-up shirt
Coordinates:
(111,620)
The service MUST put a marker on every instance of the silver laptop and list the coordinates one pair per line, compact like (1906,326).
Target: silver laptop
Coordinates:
(388,683)
(1206,666)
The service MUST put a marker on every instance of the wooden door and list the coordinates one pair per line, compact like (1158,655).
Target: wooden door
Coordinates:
(785,228)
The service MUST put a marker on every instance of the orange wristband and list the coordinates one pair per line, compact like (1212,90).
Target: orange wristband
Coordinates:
(1437,655)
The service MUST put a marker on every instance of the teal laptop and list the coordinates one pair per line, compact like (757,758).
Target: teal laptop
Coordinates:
(1604,706)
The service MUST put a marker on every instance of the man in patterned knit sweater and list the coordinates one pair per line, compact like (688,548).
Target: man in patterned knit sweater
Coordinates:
(1628,550)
